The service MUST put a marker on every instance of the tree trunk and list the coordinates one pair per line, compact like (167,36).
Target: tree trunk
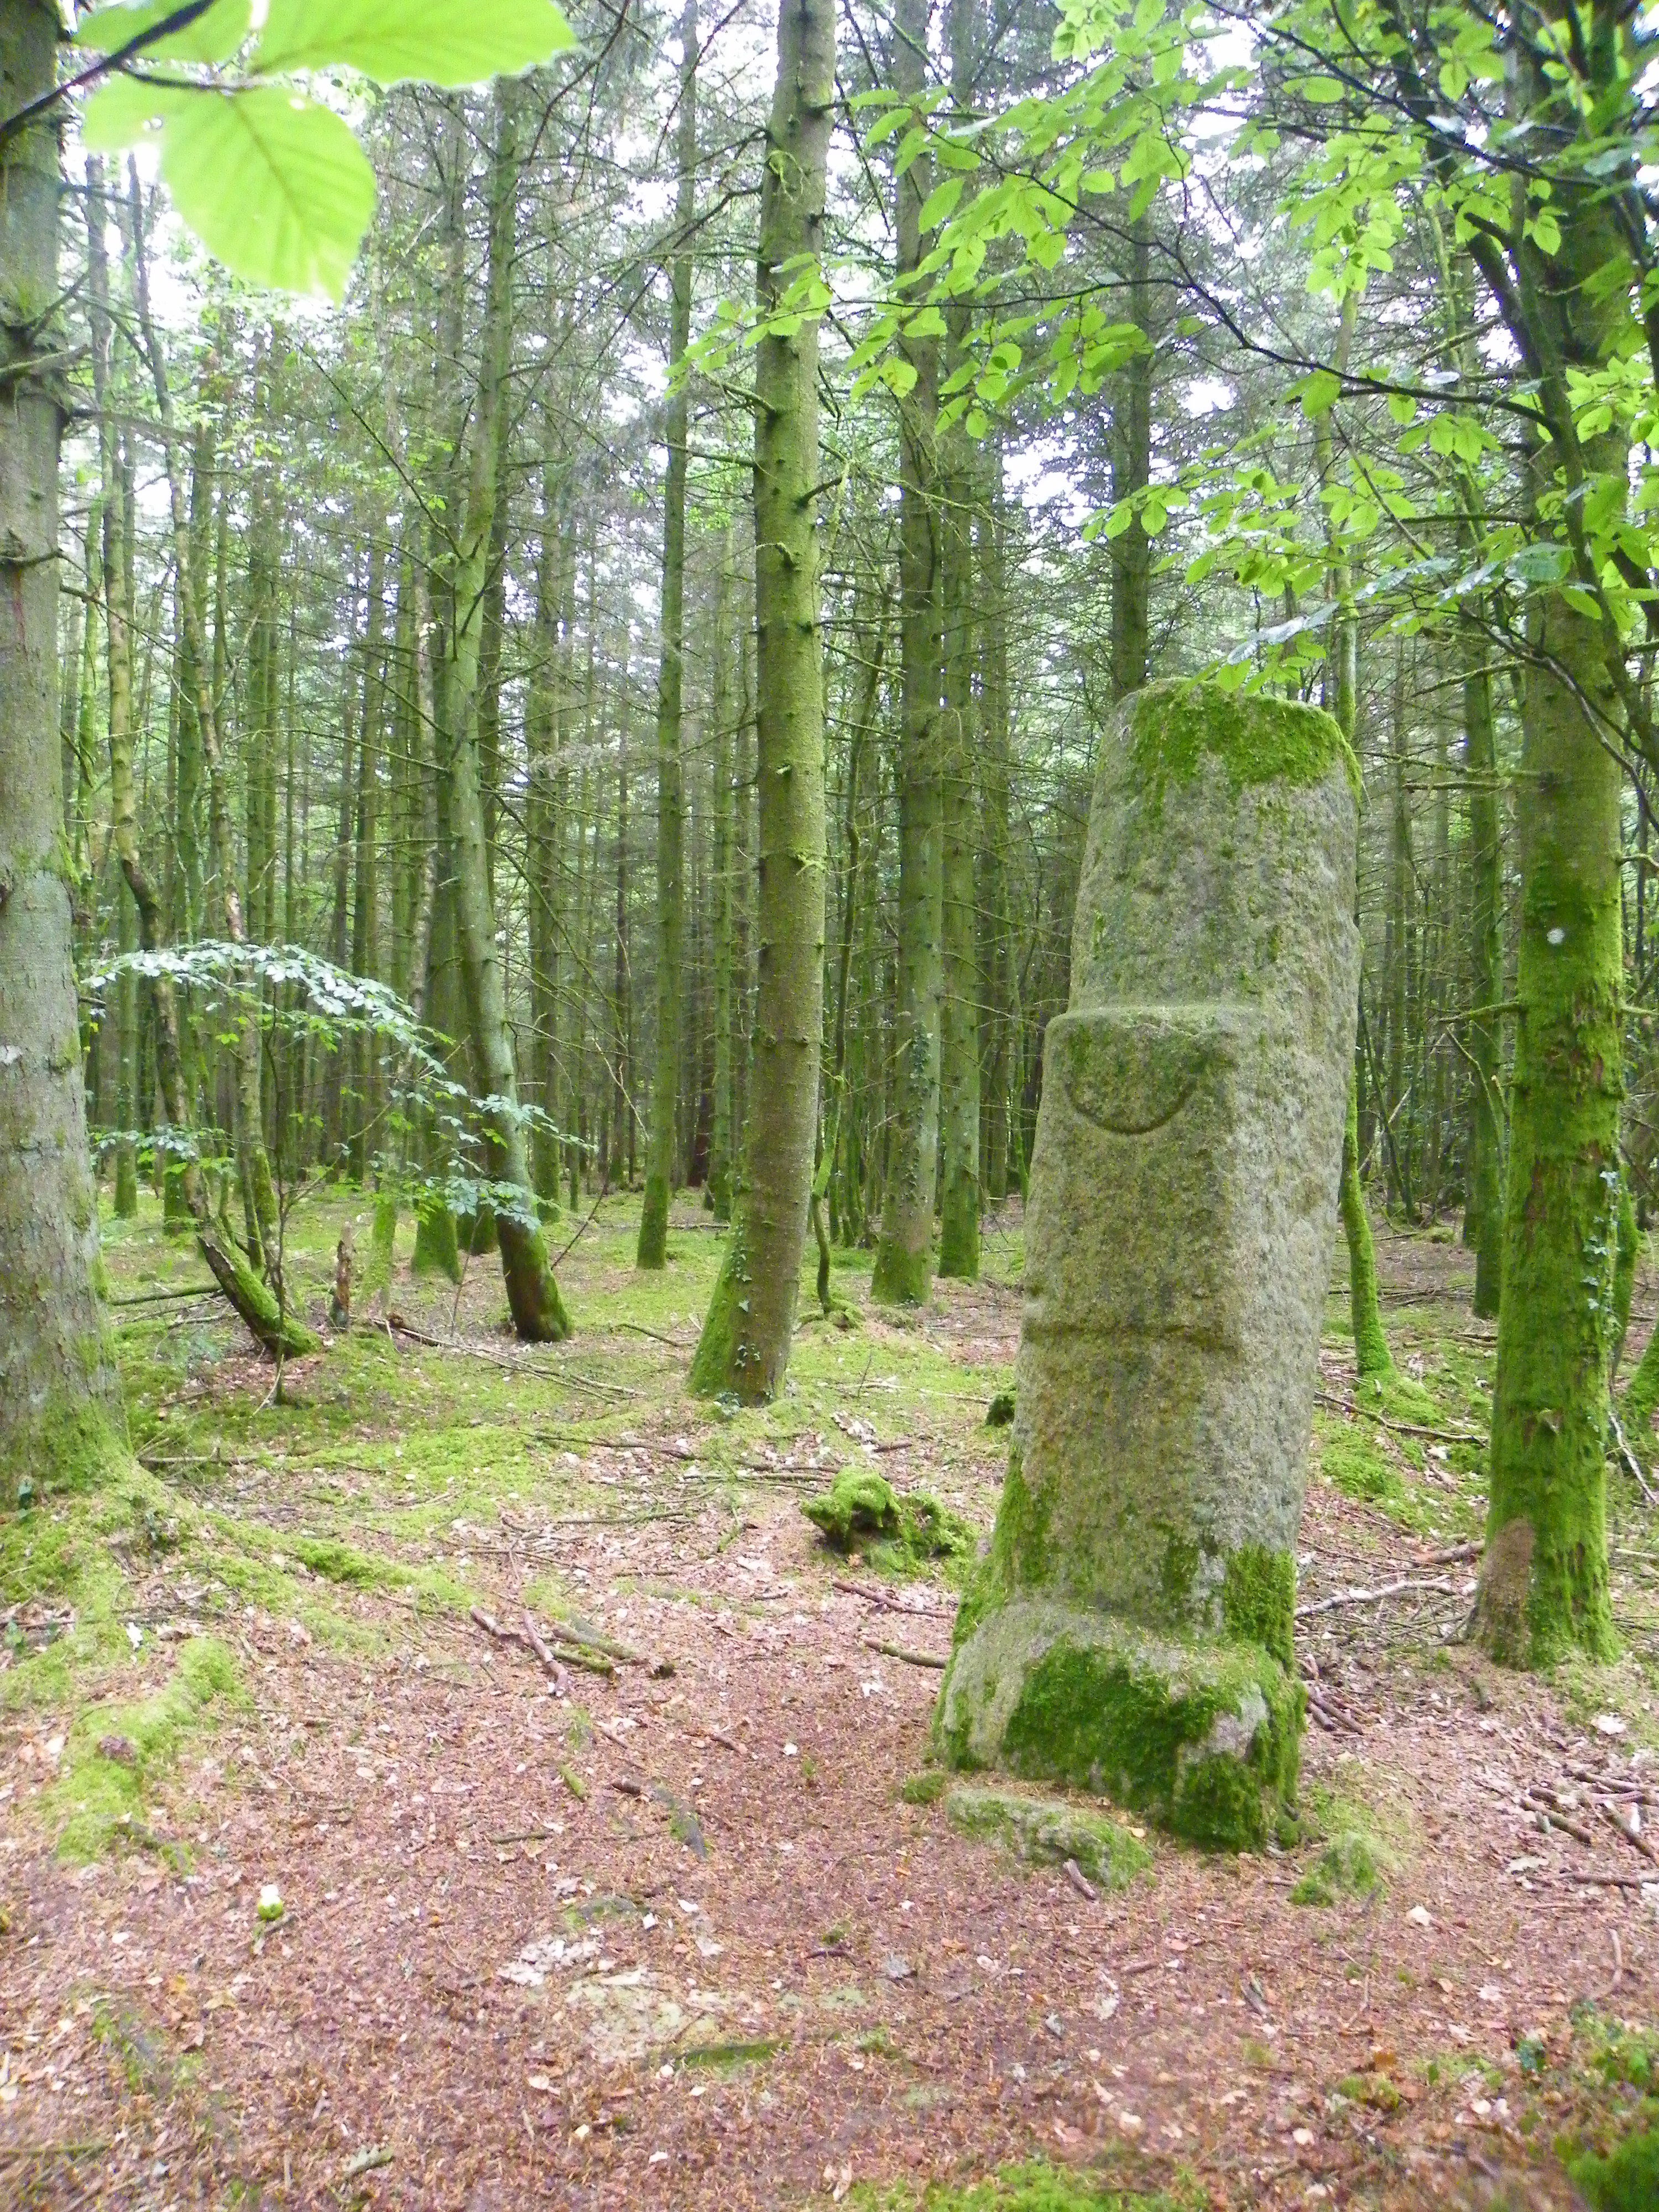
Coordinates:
(904,1259)
(61,1416)
(746,1337)
(1132,471)
(722,1144)
(532,1295)
(1544,1581)
(1340,685)
(1485,1198)
(653,1249)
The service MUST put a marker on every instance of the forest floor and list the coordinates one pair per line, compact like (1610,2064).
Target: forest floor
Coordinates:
(682,1938)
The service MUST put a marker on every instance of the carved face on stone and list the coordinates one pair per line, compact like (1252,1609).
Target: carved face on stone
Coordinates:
(1183,1186)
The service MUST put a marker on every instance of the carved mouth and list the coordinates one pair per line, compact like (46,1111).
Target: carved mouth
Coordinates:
(1130,1076)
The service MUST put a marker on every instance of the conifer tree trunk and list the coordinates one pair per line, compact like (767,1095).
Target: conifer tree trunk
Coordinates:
(653,1250)
(721,1145)
(1486,1194)
(746,1337)
(366,885)
(61,1416)
(544,811)
(1132,471)
(1000,971)
(532,1295)
(622,1008)
(1544,1583)
(904,1259)
(1372,1360)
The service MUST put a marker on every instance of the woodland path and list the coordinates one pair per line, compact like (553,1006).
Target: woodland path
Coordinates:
(836,1997)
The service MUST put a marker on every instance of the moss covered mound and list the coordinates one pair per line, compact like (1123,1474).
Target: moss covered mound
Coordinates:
(1202,1738)
(862,1509)
(1626,2179)
(1046,1832)
(1349,1866)
(115,1752)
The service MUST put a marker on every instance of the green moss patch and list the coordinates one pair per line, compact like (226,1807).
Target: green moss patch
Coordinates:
(1034,2187)
(98,1798)
(1627,2178)
(1046,1832)
(1349,1866)
(1202,1738)
(1178,725)
(341,1562)
(900,1531)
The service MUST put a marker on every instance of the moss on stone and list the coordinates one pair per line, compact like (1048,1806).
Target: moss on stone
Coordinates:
(1203,1739)
(1178,725)
(1046,1832)
(1258,1600)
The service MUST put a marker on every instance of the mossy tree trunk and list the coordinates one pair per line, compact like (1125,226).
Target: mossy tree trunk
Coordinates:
(905,1258)
(1485,1171)
(959,1038)
(722,1139)
(999,965)
(1544,1581)
(746,1337)
(532,1295)
(653,1248)
(1373,1361)
(60,1396)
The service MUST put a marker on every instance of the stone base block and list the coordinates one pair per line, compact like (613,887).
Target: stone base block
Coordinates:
(1047,1831)
(1202,1738)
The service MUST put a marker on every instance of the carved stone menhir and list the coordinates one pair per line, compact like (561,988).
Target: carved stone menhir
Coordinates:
(1130,1631)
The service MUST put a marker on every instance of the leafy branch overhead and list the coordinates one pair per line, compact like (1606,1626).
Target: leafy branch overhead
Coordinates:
(270,178)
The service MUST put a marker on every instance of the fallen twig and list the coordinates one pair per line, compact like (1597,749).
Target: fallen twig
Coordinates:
(1408,1585)
(572,1655)
(1609,1880)
(533,1638)
(1535,1802)
(1080,1881)
(1454,1554)
(639,1328)
(1632,1464)
(880,1597)
(1633,1837)
(1400,1428)
(1602,1996)
(902,1651)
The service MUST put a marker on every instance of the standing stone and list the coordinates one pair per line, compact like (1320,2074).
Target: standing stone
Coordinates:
(1131,1629)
